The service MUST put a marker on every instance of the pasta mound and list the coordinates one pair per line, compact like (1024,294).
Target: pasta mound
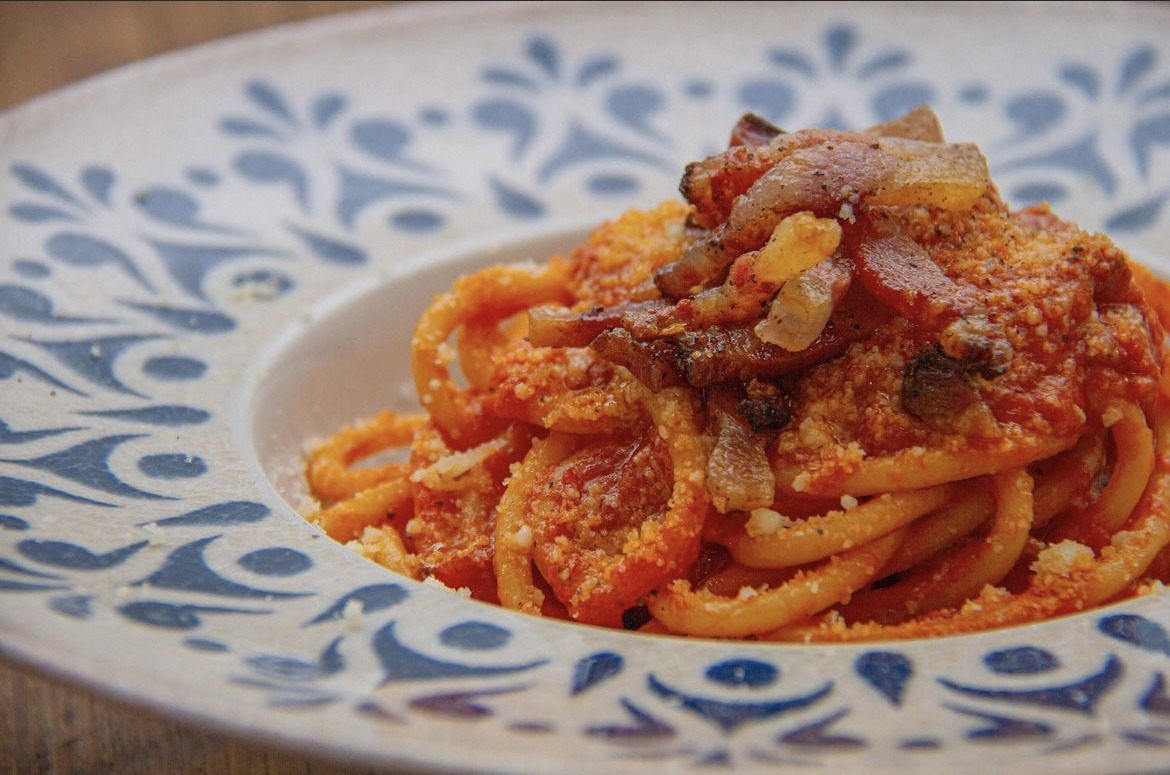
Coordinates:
(840,391)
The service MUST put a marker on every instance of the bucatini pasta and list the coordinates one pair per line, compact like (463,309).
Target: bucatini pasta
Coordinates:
(839,391)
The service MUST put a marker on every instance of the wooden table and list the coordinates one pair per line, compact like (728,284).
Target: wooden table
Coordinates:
(47,728)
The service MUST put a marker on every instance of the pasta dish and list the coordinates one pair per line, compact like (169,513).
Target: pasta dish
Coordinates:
(838,391)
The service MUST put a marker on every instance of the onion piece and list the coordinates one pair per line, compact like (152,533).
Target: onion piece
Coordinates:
(739,477)
(802,307)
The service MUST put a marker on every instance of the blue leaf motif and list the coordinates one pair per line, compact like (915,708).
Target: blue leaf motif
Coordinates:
(173,616)
(1146,134)
(172,466)
(793,60)
(401,663)
(1139,62)
(359,191)
(901,98)
(326,109)
(243,127)
(1036,112)
(270,99)
(9,522)
(171,206)
(165,415)
(193,321)
(840,42)
(373,598)
(60,554)
(10,366)
(886,671)
(186,569)
(817,735)
(94,359)
(510,117)
(383,139)
(9,436)
(1083,78)
(74,606)
(883,63)
(330,250)
(475,636)
(1154,94)
(189,264)
(88,464)
(774,100)
(544,53)
(1035,193)
(644,727)
(596,68)
(21,303)
(595,669)
(514,202)
(42,182)
(634,105)
(293,669)
(21,492)
(1138,631)
(82,250)
(1138,217)
(30,213)
(98,183)
(266,167)
(583,146)
(507,77)
(227,513)
(276,561)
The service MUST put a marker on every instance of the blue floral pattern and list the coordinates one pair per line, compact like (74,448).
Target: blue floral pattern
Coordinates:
(128,446)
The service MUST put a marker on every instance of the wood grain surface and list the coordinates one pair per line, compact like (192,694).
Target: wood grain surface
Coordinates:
(46,727)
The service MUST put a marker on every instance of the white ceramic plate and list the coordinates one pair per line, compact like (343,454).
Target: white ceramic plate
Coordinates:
(210,258)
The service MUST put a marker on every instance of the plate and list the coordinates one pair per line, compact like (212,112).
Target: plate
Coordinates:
(211,258)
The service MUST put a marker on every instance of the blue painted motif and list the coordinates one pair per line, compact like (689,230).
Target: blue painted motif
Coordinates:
(1138,631)
(33,270)
(329,662)
(1024,660)
(12,366)
(195,321)
(595,669)
(276,561)
(475,636)
(22,492)
(751,673)
(402,663)
(73,606)
(186,569)
(174,368)
(21,303)
(883,80)
(9,436)
(9,522)
(1081,695)
(172,466)
(177,616)
(88,464)
(94,359)
(887,671)
(373,598)
(818,735)
(728,715)
(171,416)
(61,554)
